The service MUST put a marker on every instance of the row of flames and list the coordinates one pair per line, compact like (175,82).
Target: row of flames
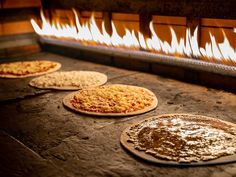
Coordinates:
(89,32)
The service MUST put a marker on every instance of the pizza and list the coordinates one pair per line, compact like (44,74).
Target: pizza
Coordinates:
(21,69)
(181,138)
(112,100)
(69,80)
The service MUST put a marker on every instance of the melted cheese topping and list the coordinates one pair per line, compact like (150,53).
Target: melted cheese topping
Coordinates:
(26,67)
(80,79)
(184,138)
(113,99)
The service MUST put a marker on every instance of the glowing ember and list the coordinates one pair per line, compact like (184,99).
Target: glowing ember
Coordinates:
(89,32)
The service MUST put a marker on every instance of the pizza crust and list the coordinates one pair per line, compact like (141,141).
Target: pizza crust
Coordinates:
(102,80)
(67,102)
(11,76)
(125,142)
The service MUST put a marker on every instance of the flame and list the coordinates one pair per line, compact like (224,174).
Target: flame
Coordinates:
(89,32)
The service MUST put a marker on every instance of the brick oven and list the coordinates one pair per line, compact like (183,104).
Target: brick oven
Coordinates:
(184,51)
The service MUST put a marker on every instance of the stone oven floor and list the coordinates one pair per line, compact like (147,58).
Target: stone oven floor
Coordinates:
(40,137)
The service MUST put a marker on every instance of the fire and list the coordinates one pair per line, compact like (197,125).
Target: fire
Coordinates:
(89,32)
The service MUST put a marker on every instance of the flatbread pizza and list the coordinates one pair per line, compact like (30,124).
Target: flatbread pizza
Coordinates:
(21,69)
(182,139)
(112,100)
(69,80)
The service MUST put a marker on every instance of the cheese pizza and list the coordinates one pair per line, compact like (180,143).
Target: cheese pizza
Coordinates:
(21,69)
(69,80)
(112,100)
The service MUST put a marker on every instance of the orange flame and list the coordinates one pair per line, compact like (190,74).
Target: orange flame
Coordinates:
(89,32)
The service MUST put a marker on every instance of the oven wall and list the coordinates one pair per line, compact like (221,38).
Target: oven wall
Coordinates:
(16,33)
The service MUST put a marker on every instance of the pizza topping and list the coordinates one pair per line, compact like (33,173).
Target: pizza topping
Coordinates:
(184,138)
(80,79)
(26,67)
(113,99)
